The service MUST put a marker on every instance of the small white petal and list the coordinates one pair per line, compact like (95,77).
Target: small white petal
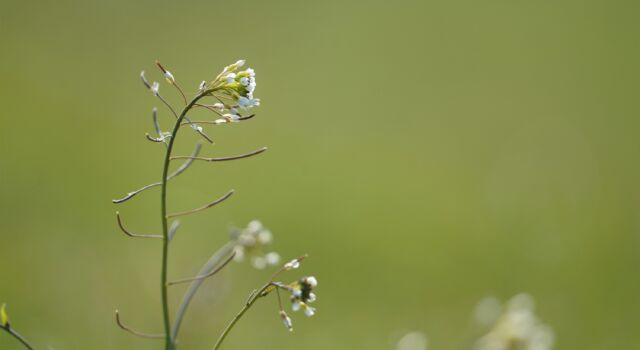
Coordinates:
(265,237)
(311,298)
(295,306)
(254,226)
(239,63)
(312,281)
(273,258)
(239,250)
(169,77)
(293,264)
(309,311)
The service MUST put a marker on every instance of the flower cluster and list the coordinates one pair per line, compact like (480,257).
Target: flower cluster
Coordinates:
(242,86)
(515,327)
(302,295)
(236,89)
(301,292)
(252,242)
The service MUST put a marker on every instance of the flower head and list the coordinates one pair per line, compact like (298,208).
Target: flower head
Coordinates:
(302,295)
(237,85)
(516,324)
(241,86)
(251,242)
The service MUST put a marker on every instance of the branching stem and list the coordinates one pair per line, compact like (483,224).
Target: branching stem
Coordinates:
(253,297)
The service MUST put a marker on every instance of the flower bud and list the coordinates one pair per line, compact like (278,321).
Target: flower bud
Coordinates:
(286,320)
(4,318)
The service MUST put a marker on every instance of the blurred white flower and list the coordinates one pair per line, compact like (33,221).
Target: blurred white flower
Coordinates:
(252,242)
(412,341)
(516,328)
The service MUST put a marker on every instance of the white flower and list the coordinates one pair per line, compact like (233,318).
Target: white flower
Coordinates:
(253,240)
(295,306)
(219,106)
(272,258)
(239,256)
(293,264)
(239,63)
(231,77)
(309,311)
(244,81)
(265,237)
(311,281)
(254,226)
(169,77)
(311,298)
(248,102)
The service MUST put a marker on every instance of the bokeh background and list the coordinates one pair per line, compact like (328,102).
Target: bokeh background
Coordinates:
(425,154)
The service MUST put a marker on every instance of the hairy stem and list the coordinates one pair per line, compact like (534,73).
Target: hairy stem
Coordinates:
(169,341)
(17,335)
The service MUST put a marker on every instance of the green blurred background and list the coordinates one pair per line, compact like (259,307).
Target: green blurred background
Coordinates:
(424,153)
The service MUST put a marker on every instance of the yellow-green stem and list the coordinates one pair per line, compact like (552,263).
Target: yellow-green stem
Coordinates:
(169,342)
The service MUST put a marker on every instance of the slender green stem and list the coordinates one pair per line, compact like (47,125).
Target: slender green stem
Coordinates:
(17,335)
(169,342)
(252,299)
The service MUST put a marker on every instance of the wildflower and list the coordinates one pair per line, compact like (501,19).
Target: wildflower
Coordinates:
(517,326)
(302,295)
(293,264)
(240,86)
(252,241)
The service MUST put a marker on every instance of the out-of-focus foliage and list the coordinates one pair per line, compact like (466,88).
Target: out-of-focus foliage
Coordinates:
(425,154)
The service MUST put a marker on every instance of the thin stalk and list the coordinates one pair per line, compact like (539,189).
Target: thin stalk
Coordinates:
(169,342)
(17,335)
(253,297)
